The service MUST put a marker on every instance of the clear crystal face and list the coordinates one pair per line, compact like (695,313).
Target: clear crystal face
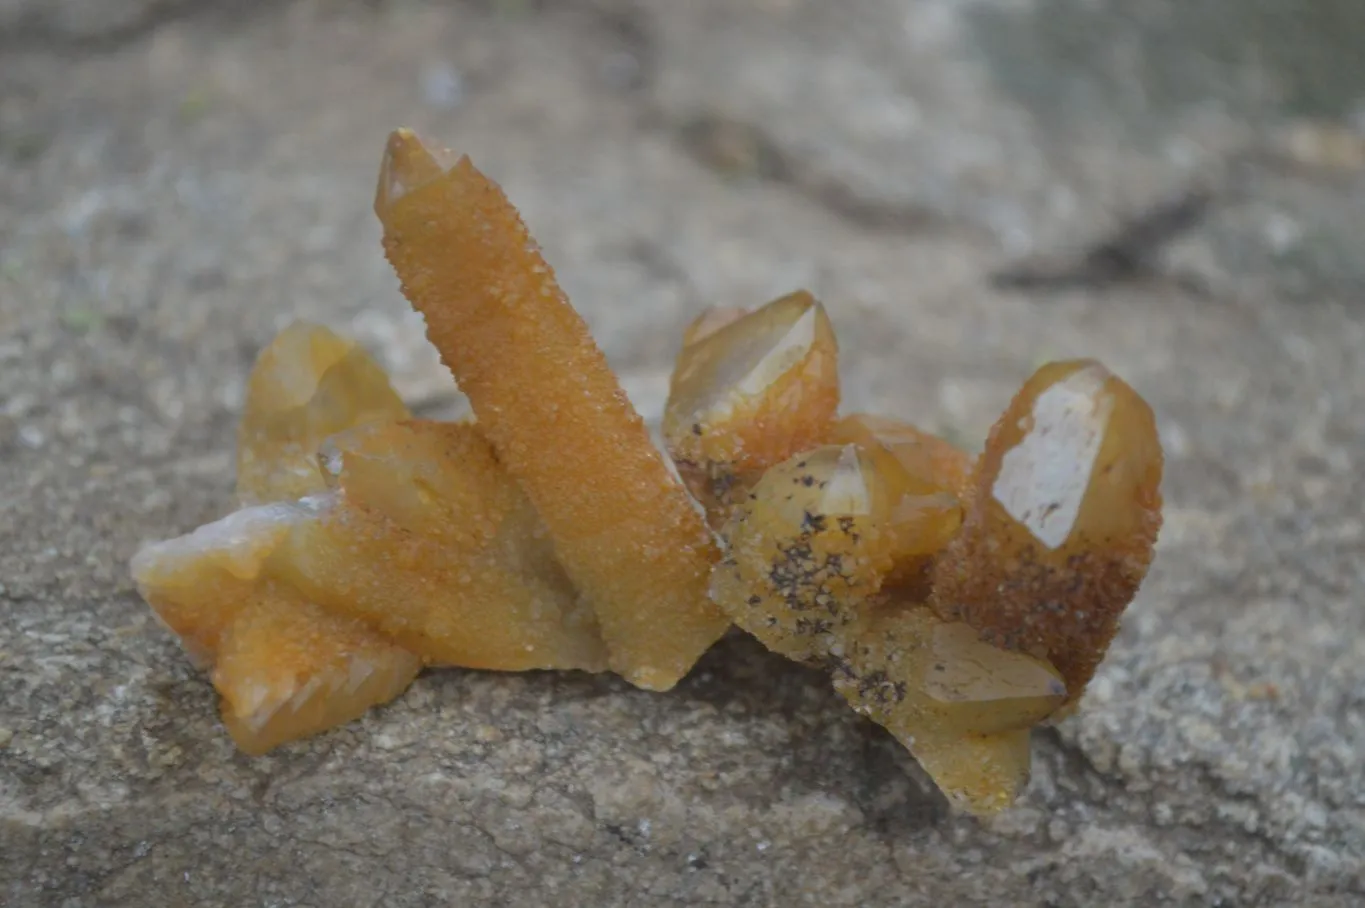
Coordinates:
(1044,478)
(408,165)
(749,391)
(743,359)
(1061,520)
(965,670)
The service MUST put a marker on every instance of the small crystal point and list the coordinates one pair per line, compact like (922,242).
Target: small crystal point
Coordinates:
(927,475)
(743,358)
(748,391)
(307,385)
(288,670)
(806,551)
(929,463)
(408,164)
(981,774)
(709,322)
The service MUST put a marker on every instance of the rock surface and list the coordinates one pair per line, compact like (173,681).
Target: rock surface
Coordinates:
(970,187)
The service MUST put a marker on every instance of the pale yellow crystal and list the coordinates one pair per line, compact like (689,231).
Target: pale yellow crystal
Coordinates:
(430,542)
(308,384)
(805,551)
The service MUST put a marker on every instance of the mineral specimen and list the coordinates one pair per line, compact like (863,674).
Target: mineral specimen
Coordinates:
(958,601)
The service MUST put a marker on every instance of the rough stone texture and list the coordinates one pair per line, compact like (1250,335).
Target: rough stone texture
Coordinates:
(93,23)
(176,191)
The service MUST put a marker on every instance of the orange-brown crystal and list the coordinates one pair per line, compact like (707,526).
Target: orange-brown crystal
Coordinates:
(748,392)
(287,669)
(1062,519)
(626,532)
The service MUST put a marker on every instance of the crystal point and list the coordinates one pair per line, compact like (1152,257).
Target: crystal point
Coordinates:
(307,385)
(747,392)
(287,669)
(1062,519)
(981,774)
(805,551)
(408,165)
(927,476)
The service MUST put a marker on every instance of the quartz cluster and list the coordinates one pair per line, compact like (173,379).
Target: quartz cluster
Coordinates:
(957,600)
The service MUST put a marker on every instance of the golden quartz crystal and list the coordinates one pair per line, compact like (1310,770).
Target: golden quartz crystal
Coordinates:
(625,531)
(748,391)
(806,549)
(283,666)
(1064,510)
(958,601)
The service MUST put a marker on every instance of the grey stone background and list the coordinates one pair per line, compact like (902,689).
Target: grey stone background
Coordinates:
(972,186)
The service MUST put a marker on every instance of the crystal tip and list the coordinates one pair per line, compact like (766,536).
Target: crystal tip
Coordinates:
(408,164)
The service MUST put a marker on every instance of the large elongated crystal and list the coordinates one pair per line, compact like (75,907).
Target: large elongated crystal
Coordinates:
(625,531)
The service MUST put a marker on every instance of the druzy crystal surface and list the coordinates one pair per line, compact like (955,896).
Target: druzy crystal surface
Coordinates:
(957,599)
